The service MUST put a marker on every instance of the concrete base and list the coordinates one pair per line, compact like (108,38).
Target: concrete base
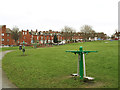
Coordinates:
(75,74)
(89,78)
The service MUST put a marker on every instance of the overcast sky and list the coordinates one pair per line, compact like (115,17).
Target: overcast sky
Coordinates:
(43,15)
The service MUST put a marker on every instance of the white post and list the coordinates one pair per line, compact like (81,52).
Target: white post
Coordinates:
(78,65)
(84,65)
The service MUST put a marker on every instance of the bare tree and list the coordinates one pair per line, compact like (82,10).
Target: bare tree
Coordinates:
(15,34)
(67,32)
(87,29)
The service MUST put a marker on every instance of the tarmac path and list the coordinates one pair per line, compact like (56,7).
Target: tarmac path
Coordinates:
(4,81)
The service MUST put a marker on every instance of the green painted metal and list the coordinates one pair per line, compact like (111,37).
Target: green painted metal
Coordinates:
(23,44)
(23,47)
(80,52)
(81,63)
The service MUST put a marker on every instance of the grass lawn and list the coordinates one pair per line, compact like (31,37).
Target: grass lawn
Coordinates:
(13,48)
(51,67)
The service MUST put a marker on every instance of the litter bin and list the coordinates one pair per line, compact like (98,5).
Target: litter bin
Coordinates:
(20,47)
(23,50)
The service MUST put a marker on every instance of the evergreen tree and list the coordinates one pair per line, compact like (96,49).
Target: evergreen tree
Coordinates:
(55,40)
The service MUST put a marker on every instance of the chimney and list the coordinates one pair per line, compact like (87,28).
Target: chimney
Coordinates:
(36,30)
(27,31)
(4,26)
(50,30)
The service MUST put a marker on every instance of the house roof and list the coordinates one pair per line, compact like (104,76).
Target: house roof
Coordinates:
(33,32)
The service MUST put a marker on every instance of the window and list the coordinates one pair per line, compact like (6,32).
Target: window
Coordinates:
(2,34)
(25,33)
(8,34)
(2,39)
(48,38)
(8,40)
(31,41)
(37,37)
(45,38)
(41,37)
(61,38)
(41,41)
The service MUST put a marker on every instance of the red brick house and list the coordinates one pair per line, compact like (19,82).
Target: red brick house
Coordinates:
(5,34)
(116,36)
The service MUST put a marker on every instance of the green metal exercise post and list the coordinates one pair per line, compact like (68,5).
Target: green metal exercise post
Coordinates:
(23,44)
(23,47)
(81,52)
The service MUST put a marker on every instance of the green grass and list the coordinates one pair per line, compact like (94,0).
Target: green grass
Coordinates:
(14,48)
(51,67)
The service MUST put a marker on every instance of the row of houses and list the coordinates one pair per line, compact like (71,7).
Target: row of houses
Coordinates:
(116,36)
(43,37)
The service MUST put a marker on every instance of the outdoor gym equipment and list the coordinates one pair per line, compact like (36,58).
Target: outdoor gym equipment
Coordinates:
(23,50)
(81,62)
(20,47)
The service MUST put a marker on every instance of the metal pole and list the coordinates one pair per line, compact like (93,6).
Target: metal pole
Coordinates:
(84,64)
(81,63)
(23,46)
(78,65)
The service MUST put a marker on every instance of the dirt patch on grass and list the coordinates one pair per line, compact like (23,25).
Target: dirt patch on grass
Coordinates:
(23,55)
(65,77)
(94,84)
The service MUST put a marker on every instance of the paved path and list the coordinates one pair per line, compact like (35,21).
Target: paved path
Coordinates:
(4,82)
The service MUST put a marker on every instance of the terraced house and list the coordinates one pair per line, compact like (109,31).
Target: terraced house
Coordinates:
(44,37)
(116,35)
(5,36)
